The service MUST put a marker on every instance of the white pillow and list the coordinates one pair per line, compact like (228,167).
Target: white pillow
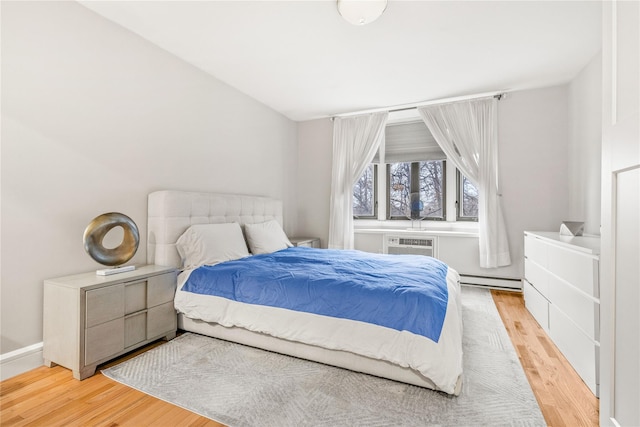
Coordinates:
(208,244)
(266,237)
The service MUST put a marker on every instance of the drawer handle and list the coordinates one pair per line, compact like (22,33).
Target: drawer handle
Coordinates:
(137,313)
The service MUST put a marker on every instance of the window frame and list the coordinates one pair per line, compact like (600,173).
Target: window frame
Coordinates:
(415,167)
(401,147)
(460,198)
(375,195)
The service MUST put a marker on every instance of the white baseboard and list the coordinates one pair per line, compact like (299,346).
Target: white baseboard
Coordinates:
(491,282)
(20,361)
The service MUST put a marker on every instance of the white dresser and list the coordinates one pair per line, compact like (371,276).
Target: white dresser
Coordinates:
(89,319)
(561,290)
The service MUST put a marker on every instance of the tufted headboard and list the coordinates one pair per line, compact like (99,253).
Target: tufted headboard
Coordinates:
(170,213)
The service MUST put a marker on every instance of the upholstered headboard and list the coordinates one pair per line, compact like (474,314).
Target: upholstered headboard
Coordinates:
(170,213)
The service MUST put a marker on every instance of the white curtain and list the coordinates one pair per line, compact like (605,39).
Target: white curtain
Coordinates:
(467,132)
(355,142)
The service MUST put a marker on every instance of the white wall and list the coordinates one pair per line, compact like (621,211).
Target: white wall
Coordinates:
(533,132)
(93,119)
(585,146)
(315,147)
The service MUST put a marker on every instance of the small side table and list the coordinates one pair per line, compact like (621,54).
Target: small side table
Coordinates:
(89,319)
(311,242)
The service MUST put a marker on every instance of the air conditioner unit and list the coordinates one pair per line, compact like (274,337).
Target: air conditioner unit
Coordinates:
(397,245)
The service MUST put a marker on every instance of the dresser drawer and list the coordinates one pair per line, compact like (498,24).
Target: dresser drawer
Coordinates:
(537,305)
(576,268)
(161,289)
(104,304)
(537,276)
(536,250)
(584,311)
(580,350)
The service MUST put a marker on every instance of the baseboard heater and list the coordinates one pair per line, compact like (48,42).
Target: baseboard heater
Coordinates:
(505,283)
(413,245)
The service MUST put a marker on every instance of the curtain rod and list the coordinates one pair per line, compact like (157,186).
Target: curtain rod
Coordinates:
(497,95)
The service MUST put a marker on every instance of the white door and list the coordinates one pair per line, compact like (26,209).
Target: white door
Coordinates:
(620,253)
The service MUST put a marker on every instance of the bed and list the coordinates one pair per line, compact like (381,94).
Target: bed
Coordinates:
(361,345)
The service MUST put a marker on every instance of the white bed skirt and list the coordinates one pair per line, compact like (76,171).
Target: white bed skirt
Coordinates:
(341,359)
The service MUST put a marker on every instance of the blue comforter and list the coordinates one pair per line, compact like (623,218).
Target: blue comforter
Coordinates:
(402,292)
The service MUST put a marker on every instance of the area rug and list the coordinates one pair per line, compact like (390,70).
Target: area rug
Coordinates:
(242,386)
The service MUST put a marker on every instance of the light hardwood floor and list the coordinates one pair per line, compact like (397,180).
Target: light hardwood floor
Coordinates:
(565,400)
(51,397)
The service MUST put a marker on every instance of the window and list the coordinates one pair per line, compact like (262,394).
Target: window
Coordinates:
(467,199)
(416,190)
(365,200)
(412,182)
(415,172)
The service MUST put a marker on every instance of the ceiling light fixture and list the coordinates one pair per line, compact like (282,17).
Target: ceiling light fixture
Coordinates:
(361,12)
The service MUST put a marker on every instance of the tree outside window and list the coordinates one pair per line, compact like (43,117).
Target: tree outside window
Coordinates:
(467,199)
(416,190)
(364,194)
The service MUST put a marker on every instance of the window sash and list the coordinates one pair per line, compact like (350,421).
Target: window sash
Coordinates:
(460,216)
(374,215)
(414,184)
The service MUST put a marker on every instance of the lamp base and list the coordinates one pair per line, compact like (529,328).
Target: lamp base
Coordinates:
(115,270)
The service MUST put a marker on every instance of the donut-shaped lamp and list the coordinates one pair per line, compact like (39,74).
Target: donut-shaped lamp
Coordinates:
(99,227)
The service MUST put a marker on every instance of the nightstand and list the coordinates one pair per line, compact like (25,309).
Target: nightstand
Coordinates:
(89,319)
(312,242)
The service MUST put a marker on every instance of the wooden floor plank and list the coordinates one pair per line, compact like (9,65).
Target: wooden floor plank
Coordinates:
(115,401)
(51,397)
(23,392)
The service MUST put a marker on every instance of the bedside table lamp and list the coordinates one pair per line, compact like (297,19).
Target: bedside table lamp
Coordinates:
(113,257)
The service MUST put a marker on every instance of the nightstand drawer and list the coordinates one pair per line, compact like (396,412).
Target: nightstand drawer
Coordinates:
(135,297)
(160,319)
(135,329)
(104,304)
(104,340)
(161,289)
